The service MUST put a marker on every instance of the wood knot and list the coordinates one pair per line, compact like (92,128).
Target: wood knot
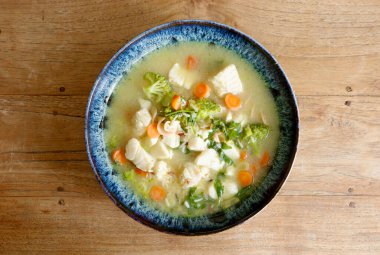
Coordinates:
(348,89)
(61,202)
(60,189)
(62,89)
(350,190)
(352,204)
(348,103)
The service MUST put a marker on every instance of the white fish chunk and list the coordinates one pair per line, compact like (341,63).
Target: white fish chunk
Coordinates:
(197,144)
(142,120)
(233,153)
(230,171)
(172,140)
(136,153)
(210,159)
(227,81)
(212,191)
(163,173)
(181,77)
(230,189)
(160,151)
(145,104)
(191,175)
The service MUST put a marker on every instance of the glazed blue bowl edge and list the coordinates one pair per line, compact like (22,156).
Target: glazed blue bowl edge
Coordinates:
(168,34)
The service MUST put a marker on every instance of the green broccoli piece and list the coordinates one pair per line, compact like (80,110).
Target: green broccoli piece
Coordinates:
(205,108)
(255,132)
(158,88)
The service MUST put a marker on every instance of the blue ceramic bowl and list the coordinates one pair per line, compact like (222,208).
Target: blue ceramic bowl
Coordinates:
(162,36)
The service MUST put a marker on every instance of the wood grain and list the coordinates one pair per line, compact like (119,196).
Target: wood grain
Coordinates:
(52,51)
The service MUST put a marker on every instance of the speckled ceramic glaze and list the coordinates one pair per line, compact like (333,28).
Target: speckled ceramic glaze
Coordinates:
(162,36)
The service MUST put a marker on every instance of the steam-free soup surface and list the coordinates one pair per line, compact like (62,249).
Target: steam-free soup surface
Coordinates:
(192,129)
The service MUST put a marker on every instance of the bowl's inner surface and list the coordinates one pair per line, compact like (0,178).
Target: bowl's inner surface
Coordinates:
(120,65)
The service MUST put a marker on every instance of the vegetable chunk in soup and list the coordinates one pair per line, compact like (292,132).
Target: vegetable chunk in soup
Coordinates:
(192,129)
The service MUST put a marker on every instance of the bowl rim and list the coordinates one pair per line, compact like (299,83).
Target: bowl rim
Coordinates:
(270,58)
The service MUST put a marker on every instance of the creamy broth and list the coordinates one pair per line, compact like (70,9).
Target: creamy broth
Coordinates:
(257,106)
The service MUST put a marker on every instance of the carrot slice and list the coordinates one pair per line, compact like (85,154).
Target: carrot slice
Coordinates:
(232,101)
(118,156)
(243,155)
(176,102)
(191,62)
(152,131)
(264,159)
(245,178)
(157,193)
(141,172)
(202,90)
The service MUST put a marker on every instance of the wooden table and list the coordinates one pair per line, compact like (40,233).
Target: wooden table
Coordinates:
(52,51)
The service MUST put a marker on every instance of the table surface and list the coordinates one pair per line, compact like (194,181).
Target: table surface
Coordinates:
(52,51)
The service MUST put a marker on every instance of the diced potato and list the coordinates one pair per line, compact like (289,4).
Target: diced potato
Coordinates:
(181,77)
(227,81)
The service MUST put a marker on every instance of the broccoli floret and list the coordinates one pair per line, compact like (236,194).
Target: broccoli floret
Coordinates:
(255,132)
(158,88)
(205,108)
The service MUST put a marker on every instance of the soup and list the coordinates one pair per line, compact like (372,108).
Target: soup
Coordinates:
(192,129)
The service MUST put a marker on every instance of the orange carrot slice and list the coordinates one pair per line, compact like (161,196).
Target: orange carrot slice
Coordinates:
(264,159)
(118,156)
(232,101)
(176,102)
(245,178)
(243,155)
(152,131)
(157,193)
(141,172)
(201,90)
(191,62)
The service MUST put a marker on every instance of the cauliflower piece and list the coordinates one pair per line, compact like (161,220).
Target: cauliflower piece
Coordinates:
(227,81)
(196,144)
(136,153)
(171,140)
(142,119)
(230,189)
(160,151)
(210,159)
(163,173)
(180,76)
(233,153)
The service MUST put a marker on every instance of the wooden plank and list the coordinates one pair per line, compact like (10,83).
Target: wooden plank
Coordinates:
(290,224)
(49,47)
